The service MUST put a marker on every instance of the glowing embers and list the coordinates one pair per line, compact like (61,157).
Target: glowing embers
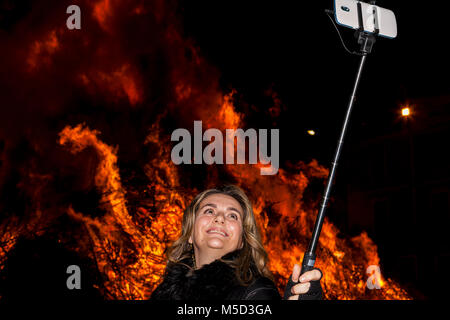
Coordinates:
(213,153)
(42,50)
(119,83)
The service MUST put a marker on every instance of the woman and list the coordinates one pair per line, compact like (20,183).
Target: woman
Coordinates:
(219,255)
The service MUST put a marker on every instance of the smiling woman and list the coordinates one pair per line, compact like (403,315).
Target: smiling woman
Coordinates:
(220,255)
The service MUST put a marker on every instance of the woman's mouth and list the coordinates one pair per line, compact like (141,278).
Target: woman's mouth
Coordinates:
(217,231)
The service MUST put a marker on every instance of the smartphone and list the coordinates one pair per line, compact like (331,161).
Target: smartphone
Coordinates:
(372,17)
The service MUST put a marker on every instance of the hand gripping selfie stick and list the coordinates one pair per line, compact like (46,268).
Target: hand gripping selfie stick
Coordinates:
(366,40)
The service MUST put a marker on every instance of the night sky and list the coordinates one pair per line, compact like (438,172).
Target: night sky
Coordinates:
(292,47)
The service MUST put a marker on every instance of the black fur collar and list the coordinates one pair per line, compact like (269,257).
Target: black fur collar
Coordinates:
(214,281)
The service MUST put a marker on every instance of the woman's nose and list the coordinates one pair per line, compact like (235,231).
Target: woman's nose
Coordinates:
(219,218)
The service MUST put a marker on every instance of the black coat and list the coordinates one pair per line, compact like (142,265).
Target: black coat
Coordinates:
(214,281)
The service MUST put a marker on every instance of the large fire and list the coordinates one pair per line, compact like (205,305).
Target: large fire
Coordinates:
(140,221)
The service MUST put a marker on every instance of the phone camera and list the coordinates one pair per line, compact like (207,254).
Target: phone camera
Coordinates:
(346,9)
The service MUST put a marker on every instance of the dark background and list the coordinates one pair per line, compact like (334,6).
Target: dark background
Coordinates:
(393,179)
(295,49)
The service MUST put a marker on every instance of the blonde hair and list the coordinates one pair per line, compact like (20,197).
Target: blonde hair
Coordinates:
(252,254)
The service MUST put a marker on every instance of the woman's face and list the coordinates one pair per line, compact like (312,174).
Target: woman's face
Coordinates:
(218,225)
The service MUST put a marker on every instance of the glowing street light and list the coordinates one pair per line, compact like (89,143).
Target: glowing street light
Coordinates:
(406,112)
(311,132)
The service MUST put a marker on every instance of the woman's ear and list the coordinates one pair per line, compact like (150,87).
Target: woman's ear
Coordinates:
(190,239)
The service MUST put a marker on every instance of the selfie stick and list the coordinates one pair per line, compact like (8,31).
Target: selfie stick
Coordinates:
(366,41)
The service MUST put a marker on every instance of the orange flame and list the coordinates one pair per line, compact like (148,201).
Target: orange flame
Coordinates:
(132,269)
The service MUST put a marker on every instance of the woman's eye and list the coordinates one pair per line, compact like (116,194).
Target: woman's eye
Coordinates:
(209,211)
(233,216)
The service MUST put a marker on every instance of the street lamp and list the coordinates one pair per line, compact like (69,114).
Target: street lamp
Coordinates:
(406,112)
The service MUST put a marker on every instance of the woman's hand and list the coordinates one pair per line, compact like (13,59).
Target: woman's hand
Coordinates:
(304,281)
